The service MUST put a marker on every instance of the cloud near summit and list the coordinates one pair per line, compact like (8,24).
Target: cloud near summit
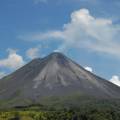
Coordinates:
(88,69)
(13,61)
(33,52)
(115,80)
(84,31)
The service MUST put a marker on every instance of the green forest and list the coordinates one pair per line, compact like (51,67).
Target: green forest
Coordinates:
(99,111)
(61,115)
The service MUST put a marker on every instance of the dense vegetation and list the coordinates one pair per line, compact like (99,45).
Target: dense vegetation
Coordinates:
(93,111)
(61,115)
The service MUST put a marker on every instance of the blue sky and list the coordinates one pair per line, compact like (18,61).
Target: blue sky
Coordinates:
(85,30)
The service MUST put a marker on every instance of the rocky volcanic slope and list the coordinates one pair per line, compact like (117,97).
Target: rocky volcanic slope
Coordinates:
(54,75)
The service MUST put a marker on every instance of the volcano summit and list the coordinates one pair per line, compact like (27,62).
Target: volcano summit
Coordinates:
(53,76)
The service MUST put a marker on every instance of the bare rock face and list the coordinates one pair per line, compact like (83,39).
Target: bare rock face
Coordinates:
(54,75)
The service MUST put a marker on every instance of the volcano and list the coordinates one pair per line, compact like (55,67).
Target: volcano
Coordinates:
(53,76)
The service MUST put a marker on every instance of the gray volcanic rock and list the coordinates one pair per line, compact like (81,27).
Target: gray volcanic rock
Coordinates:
(54,75)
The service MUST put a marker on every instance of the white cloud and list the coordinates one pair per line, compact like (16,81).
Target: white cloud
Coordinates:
(89,69)
(85,31)
(115,80)
(32,53)
(13,61)
(40,1)
(2,74)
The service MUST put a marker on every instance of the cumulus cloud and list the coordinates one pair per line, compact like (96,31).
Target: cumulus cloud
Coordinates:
(85,31)
(13,61)
(115,80)
(89,69)
(2,74)
(32,53)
